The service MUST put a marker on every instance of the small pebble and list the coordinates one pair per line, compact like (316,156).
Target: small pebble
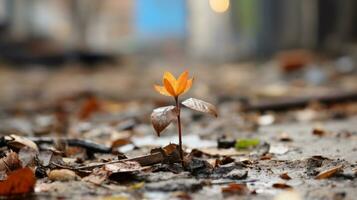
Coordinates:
(62,175)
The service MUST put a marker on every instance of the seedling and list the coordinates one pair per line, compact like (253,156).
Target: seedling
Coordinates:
(172,87)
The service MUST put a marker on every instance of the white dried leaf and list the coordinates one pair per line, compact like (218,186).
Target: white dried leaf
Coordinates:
(121,167)
(20,142)
(27,156)
(162,117)
(201,106)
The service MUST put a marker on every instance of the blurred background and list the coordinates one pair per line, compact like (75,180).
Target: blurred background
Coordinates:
(55,47)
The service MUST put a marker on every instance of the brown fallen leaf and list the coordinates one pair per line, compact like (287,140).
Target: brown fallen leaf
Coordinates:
(267,156)
(329,172)
(62,175)
(182,195)
(162,117)
(98,176)
(285,176)
(19,142)
(318,131)
(293,60)
(281,186)
(21,181)
(90,106)
(235,188)
(225,160)
(201,106)
(10,162)
(120,142)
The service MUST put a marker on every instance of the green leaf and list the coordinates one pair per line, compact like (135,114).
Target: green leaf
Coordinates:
(246,143)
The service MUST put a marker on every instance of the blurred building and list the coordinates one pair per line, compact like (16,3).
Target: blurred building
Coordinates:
(214,30)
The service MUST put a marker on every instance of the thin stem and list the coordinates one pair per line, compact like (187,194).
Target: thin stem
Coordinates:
(179,128)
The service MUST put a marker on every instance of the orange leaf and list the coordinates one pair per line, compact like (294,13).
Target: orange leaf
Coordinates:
(188,85)
(20,181)
(181,83)
(169,87)
(162,90)
(170,78)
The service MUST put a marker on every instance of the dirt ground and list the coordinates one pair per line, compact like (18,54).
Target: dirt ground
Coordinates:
(307,152)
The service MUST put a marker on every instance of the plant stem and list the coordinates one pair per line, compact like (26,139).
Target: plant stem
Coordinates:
(179,128)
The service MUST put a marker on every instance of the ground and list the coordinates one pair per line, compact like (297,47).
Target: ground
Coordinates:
(111,107)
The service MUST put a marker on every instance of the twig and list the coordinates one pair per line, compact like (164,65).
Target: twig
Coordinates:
(88,145)
(301,102)
(146,160)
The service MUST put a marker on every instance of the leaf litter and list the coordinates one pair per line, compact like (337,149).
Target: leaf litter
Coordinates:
(80,151)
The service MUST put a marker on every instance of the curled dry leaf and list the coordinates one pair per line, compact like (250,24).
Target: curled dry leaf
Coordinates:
(20,181)
(10,162)
(329,173)
(19,142)
(201,106)
(162,117)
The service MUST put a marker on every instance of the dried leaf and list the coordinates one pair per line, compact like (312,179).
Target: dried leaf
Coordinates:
(19,142)
(267,156)
(98,176)
(45,157)
(27,156)
(319,132)
(285,176)
(20,181)
(235,188)
(10,162)
(90,106)
(170,148)
(120,142)
(329,173)
(122,167)
(222,152)
(281,186)
(162,117)
(201,106)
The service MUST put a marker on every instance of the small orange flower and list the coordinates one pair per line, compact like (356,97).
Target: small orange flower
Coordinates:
(174,87)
